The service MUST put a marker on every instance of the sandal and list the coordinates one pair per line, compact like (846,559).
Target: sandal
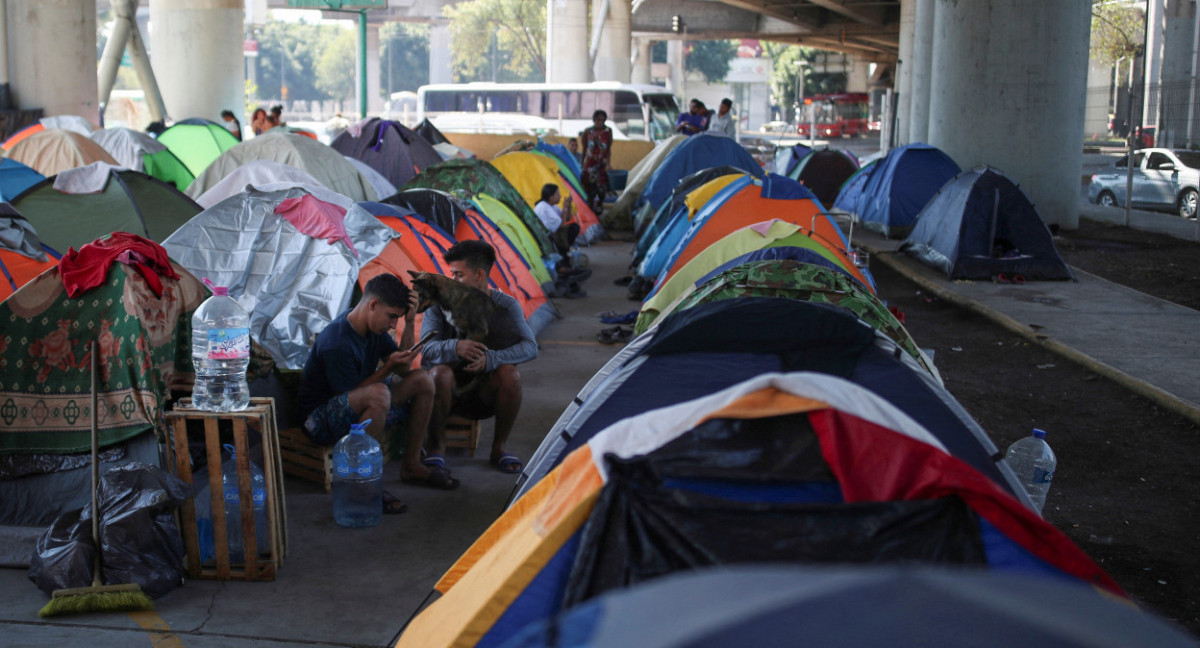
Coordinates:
(623,318)
(392,505)
(438,478)
(434,460)
(508,463)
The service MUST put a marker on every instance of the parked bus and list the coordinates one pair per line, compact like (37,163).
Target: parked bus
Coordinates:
(838,115)
(644,112)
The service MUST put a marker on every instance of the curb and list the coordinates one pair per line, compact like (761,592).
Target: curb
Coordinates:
(1138,386)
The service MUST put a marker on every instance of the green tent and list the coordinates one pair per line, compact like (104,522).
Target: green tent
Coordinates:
(138,151)
(515,230)
(476,177)
(197,145)
(129,202)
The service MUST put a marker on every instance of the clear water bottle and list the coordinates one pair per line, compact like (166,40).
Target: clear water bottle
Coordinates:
(357,479)
(220,353)
(233,507)
(1033,462)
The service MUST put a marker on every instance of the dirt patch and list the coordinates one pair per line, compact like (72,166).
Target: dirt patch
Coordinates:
(1127,489)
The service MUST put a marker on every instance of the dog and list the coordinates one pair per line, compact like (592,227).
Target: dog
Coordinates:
(473,314)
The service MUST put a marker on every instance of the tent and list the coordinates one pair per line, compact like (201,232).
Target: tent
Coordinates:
(197,144)
(529,171)
(648,230)
(823,172)
(321,162)
(65,122)
(290,257)
(380,184)
(621,215)
(22,255)
(511,273)
(427,130)
(787,157)
(389,147)
(256,173)
(900,185)
(516,232)
(695,153)
(792,467)
(54,150)
(772,233)
(138,151)
(852,607)
(478,176)
(80,205)
(852,189)
(980,225)
(564,155)
(15,178)
(438,207)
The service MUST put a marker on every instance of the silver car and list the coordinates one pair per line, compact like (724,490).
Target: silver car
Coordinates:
(1162,179)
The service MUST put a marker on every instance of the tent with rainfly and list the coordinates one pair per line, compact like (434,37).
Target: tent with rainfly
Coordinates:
(53,150)
(197,144)
(529,171)
(80,205)
(15,178)
(852,189)
(695,153)
(979,225)
(668,229)
(519,235)
(22,255)
(823,171)
(138,151)
(900,186)
(389,147)
(649,230)
(782,468)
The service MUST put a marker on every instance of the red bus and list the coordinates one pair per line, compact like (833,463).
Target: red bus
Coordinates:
(842,114)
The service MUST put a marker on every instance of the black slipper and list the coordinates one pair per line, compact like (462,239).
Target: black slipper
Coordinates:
(438,478)
(392,505)
(624,281)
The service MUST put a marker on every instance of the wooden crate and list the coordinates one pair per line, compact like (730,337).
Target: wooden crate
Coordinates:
(258,417)
(462,433)
(304,459)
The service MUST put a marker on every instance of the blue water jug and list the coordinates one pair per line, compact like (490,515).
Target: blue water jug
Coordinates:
(357,479)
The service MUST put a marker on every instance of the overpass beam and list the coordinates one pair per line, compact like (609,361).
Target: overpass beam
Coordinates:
(613,55)
(567,56)
(52,38)
(197,56)
(1010,90)
(921,70)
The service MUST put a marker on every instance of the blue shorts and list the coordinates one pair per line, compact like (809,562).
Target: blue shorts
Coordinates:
(331,421)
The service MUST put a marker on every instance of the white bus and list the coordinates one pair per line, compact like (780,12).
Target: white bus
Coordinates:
(644,112)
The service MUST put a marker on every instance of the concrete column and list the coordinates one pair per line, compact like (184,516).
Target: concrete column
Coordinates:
(1001,66)
(374,101)
(612,59)
(1156,24)
(567,58)
(858,75)
(196,50)
(920,71)
(48,43)
(641,68)
(440,64)
(675,83)
(903,85)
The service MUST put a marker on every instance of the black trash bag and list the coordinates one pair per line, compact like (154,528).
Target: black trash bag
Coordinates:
(64,554)
(139,538)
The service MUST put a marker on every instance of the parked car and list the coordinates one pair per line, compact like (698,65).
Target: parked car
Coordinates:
(1163,179)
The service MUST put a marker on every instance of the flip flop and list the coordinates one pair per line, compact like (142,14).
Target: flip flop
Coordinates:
(508,463)
(439,478)
(434,460)
(621,318)
(392,505)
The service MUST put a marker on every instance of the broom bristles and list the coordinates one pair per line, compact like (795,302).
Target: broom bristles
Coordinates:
(101,598)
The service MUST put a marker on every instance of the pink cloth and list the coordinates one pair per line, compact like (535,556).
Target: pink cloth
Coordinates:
(764,228)
(317,219)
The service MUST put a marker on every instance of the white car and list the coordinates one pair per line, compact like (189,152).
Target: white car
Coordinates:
(1163,179)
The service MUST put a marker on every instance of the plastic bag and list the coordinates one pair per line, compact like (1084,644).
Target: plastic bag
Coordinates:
(64,554)
(139,538)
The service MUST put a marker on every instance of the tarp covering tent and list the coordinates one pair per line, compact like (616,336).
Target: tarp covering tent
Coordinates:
(479,176)
(15,178)
(772,233)
(389,147)
(55,150)
(981,225)
(80,205)
(290,258)
(695,153)
(197,144)
(321,162)
(64,122)
(900,186)
(380,184)
(138,151)
(529,171)
(853,607)
(852,189)
(256,173)
(22,256)
(782,468)
(620,215)
(823,172)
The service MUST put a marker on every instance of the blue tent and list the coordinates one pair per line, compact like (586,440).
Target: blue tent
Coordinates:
(15,178)
(981,225)
(693,154)
(851,190)
(900,186)
(563,153)
(787,157)
(669,208)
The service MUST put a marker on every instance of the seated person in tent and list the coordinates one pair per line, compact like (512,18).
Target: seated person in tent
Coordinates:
(499,390)
(355,372)
(695,120)
(559,222)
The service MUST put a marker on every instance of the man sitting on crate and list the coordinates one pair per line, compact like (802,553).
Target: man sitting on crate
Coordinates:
(356,372)
(499,390)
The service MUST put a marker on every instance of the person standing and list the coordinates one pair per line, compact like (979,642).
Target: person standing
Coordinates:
(723,122)
(597,159)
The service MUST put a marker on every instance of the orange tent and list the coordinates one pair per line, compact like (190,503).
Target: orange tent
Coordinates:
(511,273)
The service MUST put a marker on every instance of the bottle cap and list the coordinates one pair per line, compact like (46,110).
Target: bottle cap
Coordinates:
(222,291)
(230,449)
(360,428)
(1041,434)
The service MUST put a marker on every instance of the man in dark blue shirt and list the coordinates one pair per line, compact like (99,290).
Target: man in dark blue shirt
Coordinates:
(355,372)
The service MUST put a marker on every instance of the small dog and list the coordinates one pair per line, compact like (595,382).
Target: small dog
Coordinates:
(473,314)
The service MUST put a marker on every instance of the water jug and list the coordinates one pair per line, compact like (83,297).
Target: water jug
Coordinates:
(220,353)
(233,507)
(357,479)
(1033,462)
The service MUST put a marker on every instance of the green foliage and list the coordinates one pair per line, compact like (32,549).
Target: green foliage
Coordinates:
(404,57)
(493,36)
(336,66)
(1117,31)
(710,58)
(288,53)
(786,77)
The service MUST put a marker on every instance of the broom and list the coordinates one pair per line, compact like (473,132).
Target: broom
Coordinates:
(97,598)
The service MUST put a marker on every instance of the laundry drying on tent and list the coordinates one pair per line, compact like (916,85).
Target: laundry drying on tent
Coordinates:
(900,186)
(138,151)
(980,225)
(197,142)
(54,150)
(389,147)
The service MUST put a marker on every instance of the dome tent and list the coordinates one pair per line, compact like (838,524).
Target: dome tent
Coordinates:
(389,147)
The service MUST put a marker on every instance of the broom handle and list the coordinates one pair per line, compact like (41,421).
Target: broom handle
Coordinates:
(95,471)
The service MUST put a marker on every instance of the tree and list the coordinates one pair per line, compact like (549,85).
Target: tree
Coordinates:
(509,35)
(405,56)
(710,58)
(1117,32)
(287,54)
(786,78)
(337,66)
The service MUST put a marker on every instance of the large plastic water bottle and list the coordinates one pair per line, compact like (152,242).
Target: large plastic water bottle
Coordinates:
(357,479)
(1033,462)
(233,507)
(220,353)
